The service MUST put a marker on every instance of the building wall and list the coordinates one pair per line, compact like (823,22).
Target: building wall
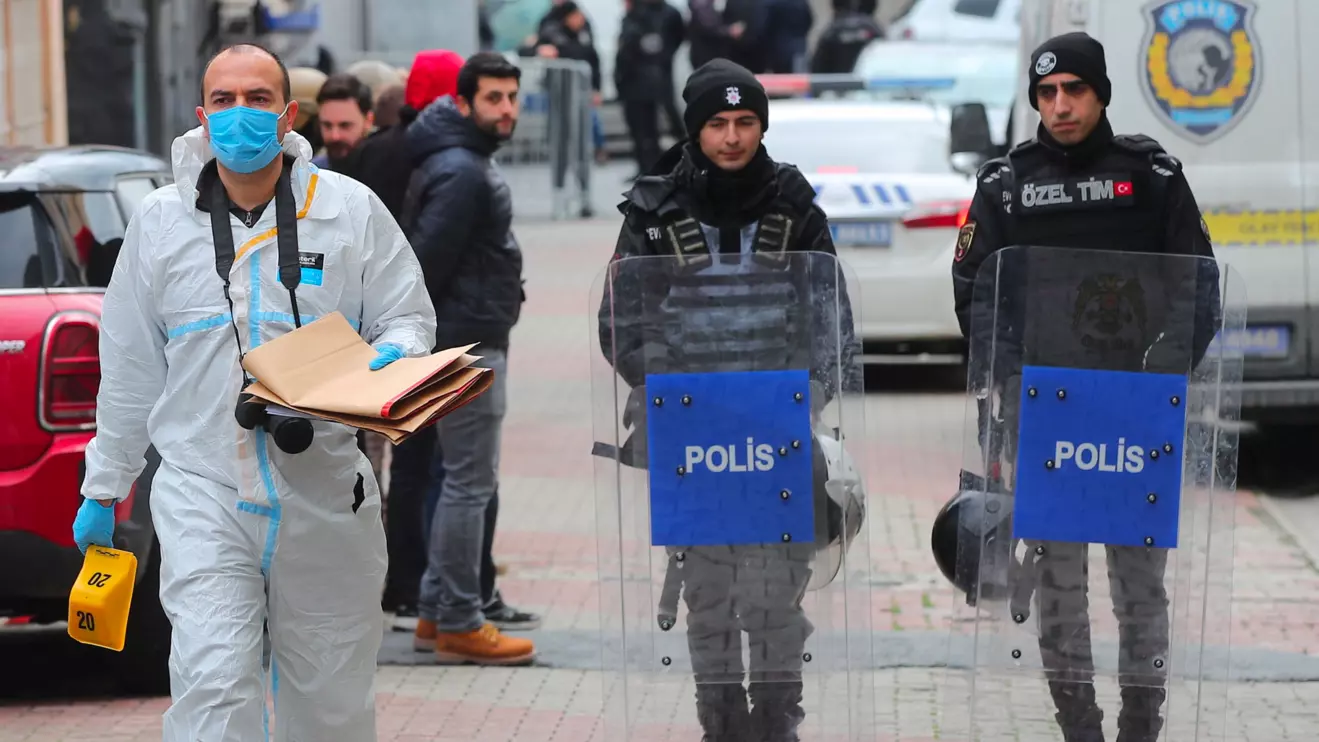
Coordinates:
(100,48)
(32,95)
(394,31)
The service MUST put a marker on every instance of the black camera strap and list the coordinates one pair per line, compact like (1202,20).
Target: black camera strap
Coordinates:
(286,222)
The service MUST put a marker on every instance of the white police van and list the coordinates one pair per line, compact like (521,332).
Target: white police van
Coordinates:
(1230,88)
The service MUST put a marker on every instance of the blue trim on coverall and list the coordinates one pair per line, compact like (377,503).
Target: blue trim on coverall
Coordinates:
(263,464)
(219,320)
(307,319)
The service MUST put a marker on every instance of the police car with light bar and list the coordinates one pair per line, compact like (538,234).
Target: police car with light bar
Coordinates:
(877,152)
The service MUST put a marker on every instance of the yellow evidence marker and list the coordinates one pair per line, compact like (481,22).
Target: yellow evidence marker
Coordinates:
(100,599)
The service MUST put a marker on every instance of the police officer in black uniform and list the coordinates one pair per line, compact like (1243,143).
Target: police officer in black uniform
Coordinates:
(1040,194)
(729,216)
(843,40)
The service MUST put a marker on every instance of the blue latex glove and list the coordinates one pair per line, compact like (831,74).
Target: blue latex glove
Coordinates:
(94,525)
(388,353)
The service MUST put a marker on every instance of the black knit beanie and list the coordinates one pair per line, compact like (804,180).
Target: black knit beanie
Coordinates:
(720,85)
(1075,53)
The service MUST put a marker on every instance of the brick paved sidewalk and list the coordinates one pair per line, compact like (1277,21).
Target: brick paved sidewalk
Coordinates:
(547,538)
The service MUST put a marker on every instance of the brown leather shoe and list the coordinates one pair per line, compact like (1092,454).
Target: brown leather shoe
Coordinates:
(485,646)
(424,638)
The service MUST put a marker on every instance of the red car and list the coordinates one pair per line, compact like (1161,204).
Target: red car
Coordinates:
(63,213)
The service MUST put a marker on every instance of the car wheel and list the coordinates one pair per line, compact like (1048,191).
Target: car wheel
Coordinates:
(143,667)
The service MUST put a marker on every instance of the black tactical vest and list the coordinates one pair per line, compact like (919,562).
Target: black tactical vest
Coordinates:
(734,297)
(1117,202)
(1098,311)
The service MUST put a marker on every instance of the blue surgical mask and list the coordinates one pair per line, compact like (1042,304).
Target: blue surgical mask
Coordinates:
(244,139)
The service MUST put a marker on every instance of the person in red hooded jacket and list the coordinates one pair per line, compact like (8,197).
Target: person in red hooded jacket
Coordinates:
(381,161)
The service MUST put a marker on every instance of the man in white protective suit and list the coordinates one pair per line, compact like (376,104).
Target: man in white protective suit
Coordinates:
(264,519)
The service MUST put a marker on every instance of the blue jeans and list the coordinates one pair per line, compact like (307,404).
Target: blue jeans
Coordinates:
(597,129)
(469,436)
(432,495)
(491,516)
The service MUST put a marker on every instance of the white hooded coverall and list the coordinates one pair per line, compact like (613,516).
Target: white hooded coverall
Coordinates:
(248,533)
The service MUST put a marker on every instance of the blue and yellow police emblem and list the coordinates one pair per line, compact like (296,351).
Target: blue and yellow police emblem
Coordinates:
(1201,64)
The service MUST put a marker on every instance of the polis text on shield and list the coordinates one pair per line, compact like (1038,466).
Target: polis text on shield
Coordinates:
(732,458)
(1089,456)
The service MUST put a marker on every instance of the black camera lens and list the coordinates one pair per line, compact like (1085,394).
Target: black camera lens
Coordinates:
(250,414)
(291,434)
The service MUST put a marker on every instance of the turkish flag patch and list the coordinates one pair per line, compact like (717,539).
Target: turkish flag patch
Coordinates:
(1122,188)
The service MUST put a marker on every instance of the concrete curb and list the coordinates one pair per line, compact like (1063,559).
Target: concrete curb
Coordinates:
(1290,514)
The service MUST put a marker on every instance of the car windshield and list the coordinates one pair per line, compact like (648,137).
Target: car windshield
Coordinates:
(944,74)
(23,230)
(835,144)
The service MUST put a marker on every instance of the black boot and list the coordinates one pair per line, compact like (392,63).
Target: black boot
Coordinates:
(722,710)
(1080,732)
(1140,720)
(776,711)
(1078,714)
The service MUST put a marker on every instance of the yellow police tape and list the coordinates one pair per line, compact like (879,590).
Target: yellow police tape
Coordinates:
(100,599)
(1290,227)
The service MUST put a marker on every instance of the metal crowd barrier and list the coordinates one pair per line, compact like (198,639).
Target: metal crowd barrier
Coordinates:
(555,128)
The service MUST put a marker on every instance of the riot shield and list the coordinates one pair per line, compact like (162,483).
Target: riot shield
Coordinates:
(730,434)
(1095,515)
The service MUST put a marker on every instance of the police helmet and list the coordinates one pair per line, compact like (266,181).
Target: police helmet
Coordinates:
(840,497)
(972,540)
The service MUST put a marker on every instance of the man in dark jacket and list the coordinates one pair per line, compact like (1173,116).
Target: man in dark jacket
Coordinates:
(1078,187)
(717,203)
(843,40)
(787,26)
(458,215)
(648,39)
(565,34)
(384,163)
(711,35)
(750,48)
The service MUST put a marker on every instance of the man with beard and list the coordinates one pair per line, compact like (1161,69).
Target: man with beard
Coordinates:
(719,204)
(345,117)
(458,214)
(1148,208)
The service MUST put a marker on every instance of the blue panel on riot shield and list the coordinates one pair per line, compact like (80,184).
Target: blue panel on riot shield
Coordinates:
(730,458)
(1100,462)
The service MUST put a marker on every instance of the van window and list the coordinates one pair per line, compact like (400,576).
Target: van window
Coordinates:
(25,242)
(977,8)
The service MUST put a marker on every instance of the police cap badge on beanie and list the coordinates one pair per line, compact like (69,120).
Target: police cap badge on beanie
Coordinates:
(721,85)
(1075,53)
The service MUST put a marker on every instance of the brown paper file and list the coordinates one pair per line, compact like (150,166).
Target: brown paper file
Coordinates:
(324,366)
(464,386)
